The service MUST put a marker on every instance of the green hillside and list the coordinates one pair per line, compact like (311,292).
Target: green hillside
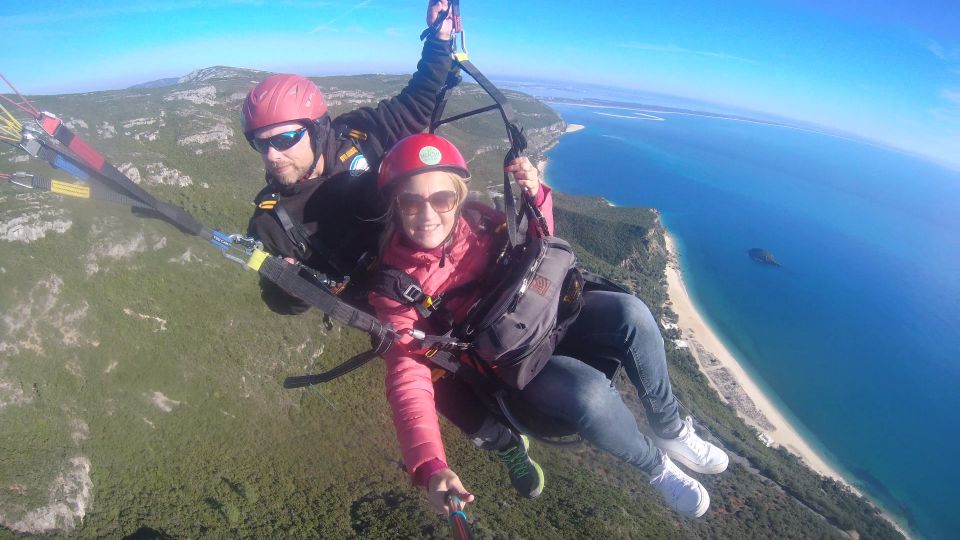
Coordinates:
(140,372)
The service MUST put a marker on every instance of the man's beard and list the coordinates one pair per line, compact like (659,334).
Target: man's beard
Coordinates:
(290,174)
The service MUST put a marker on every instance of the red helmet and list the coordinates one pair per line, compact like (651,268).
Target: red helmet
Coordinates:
(281,98)
(420,153)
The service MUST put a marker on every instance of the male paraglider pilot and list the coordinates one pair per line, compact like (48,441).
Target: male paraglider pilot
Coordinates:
(320,203)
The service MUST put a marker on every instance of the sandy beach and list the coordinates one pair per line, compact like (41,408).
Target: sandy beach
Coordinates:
(734,385)
(729,378)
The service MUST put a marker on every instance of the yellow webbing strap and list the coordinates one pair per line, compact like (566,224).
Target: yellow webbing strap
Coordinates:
(256,259)
(461,56)
(9,126)
(71,190)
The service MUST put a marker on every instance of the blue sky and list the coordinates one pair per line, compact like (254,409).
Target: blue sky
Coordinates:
(886,70)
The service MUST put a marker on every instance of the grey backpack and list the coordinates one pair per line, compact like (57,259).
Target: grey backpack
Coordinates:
(533,297)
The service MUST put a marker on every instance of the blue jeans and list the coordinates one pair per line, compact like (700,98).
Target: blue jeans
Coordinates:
(610,325)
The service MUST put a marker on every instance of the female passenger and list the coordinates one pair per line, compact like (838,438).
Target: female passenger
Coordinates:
(429,237)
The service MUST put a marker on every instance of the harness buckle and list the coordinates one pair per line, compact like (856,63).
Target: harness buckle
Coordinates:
(412,293)
(30,145)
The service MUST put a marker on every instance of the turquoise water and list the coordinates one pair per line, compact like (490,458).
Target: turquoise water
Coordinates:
(856,334)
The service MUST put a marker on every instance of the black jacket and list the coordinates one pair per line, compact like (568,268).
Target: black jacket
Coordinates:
(335,215)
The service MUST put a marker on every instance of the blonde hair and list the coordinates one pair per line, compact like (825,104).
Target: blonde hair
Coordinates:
(391,219)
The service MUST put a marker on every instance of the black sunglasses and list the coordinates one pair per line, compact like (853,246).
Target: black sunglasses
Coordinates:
(441,201)
(280,141)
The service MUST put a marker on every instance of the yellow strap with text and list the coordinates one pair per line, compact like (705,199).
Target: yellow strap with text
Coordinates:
(70,190)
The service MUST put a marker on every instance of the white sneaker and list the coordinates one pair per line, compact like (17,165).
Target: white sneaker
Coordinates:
(693,452)
(682,493)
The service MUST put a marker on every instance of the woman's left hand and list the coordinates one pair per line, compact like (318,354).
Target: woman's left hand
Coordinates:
(441,486)
(526,175)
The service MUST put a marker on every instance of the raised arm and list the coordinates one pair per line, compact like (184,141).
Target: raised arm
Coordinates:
(410,111)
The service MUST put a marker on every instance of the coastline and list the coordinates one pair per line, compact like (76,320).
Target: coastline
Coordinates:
(728,377)
(541,165)
(735,386)
(725,374)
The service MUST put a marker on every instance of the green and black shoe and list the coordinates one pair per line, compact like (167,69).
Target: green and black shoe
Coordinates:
(525,474)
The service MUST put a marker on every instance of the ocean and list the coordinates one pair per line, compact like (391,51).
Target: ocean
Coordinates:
(855,335)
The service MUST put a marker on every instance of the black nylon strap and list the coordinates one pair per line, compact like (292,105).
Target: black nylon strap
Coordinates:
(287,277)
(397,285)
(117,181)
(453,79)
(97,192)
(346,367)
(307,244)
(518,141)
(294,233)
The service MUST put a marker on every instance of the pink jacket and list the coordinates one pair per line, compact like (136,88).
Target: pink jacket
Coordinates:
(409,386)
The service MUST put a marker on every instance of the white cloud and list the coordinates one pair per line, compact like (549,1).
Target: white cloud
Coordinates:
(951,95)
(947,54)
(325,27)
(680,50)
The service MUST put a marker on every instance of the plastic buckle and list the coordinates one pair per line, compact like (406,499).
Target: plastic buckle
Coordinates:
(432,352)
(412,293)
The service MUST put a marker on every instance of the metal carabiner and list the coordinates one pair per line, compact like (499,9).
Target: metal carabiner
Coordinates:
(236,247)
(20,175)
(247,242)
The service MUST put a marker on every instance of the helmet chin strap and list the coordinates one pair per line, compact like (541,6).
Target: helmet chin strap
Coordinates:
(317,154)
(319,133)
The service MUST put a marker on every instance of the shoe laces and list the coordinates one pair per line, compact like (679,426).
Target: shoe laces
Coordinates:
(516,460)
(673,481)
(688,436)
